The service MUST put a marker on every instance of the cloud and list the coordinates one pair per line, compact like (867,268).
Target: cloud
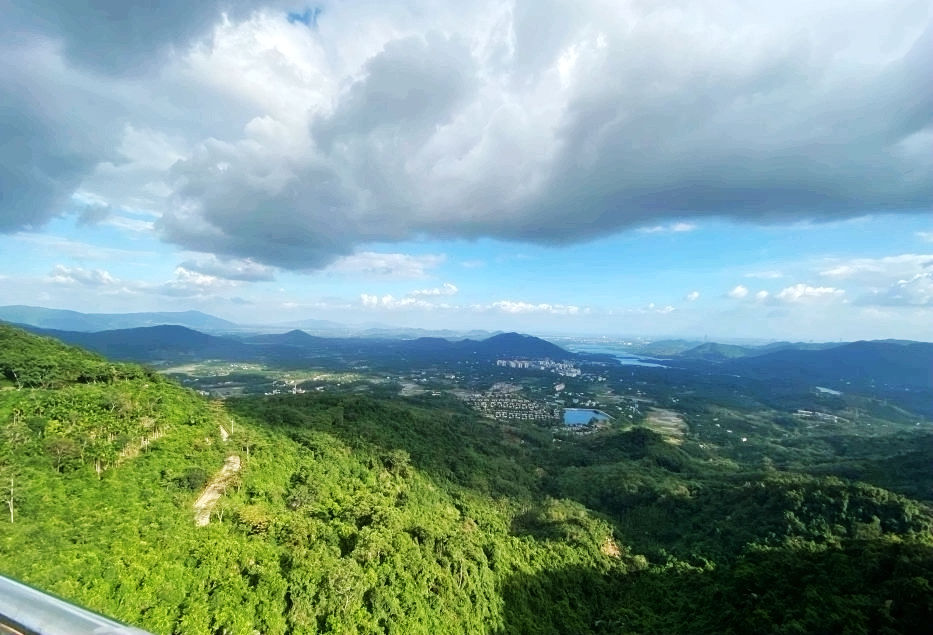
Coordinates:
(672,228)
(473,264)
(445,289)
(61,274)
(386,265)
(925,236)
(392,303)
(140,32)
(765,275)
(692,296)
(129,224)
(185,284)
(514,307)
(879,271)
(188,284)
(388,122)
(77,249)
(915,291)
(509,307)
(245,270)
(762,295)
(804,292)
(738,292)
(93,214)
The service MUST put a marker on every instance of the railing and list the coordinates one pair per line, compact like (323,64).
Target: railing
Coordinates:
(28,611)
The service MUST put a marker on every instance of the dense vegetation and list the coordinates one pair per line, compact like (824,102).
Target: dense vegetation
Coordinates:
(360,514)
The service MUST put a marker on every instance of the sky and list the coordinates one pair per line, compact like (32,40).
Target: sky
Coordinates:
(725,169)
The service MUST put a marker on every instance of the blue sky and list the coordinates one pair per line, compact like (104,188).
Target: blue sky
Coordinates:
(724,171)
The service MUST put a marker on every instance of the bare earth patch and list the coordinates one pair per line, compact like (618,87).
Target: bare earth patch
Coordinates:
(667,423)
(610,548)
(214,490)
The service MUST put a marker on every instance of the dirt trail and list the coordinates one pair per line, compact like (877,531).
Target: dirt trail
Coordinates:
(214,490)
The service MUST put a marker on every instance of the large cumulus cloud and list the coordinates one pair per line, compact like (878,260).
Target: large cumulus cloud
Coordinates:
(294,144)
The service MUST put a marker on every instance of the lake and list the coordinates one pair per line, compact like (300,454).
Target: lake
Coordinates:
(582,416)
(625,357)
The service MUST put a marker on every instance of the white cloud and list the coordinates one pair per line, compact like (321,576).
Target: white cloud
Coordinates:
(680,227)
(390,302)
(872,271)
(804,292)
(911,292)
(77,249)
(445,289)
(925,236)
(512,306)
(189,283)
(692,296)
(61,274)
(738,292)
(129,224)
(765,275)
(386,265)
(762,295)
(231,269)
(185,284)
(662,310)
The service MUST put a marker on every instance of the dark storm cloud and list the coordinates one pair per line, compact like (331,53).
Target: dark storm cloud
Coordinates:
(120,36)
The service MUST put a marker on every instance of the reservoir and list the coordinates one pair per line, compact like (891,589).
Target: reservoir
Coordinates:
(582,416)
(625,356)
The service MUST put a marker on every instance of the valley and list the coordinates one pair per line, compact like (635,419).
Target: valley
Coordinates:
(341,500)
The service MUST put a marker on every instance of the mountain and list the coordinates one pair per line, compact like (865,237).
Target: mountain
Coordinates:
(411,333)
(295,337)
(154,343)
(714,352)
(664,348)
(879,363)
(63,320)
(517,345)
(178,343)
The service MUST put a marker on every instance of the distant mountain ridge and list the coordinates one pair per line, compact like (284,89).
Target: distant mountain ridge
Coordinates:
(882,362)
(152,343)
(177,343)
(716,352)
(64,320)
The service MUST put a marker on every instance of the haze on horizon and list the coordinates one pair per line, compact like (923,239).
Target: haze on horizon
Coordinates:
(724,168)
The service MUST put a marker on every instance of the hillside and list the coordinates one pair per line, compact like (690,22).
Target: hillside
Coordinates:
(64,320)
(354,514)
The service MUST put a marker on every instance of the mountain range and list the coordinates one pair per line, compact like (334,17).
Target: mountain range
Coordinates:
(172,343)
(64,320)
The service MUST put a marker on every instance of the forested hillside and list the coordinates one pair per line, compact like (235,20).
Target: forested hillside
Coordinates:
(348,513)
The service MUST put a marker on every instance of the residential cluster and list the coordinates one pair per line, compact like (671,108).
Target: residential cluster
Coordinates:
(284,387)
(510,406)
(566,369)
(822,416)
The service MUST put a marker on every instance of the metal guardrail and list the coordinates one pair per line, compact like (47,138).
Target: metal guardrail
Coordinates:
(28,611)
